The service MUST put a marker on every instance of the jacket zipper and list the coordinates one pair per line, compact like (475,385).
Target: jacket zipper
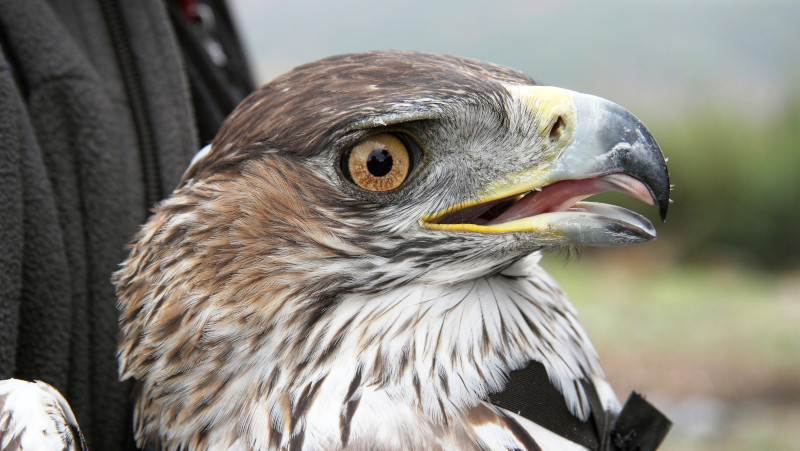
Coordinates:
(132,80)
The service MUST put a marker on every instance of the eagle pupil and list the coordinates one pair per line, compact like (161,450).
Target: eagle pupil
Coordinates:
(379,162)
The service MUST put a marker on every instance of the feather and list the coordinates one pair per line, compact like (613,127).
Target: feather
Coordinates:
(271,303)
(34,415)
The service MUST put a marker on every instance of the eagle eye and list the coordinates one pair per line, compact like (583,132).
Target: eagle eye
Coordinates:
(378,163)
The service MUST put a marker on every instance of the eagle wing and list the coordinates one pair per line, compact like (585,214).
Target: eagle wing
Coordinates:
(34,415)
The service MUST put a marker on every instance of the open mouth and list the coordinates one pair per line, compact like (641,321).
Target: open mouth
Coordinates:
(556,210)
(606,149)
(564,195)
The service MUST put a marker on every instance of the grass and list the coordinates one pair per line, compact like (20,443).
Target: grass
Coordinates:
(713,346)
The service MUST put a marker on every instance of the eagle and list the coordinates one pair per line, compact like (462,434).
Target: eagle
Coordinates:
(353,262)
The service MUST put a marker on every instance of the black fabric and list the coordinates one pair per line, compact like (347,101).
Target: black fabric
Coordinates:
(95,111)
(215,90)
(529,393)
(639,427)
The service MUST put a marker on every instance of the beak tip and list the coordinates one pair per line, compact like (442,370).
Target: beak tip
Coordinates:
(662,211)
(663,200)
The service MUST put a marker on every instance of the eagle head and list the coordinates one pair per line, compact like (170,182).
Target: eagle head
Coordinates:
(353,260)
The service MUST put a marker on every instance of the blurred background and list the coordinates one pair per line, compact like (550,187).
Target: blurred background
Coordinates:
(705,321)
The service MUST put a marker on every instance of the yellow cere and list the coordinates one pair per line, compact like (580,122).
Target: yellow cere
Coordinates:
(547,102)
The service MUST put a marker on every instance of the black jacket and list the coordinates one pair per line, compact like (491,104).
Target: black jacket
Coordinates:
(102,105)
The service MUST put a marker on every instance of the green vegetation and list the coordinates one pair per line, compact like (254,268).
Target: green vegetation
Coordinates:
(737,185)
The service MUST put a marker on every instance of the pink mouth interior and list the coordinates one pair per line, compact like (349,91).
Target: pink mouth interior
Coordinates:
(558,196)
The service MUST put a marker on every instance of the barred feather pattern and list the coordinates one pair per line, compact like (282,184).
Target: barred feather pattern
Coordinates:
(218,319)
(269,304)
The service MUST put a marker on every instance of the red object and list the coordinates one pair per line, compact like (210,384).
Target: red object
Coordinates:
(187,8)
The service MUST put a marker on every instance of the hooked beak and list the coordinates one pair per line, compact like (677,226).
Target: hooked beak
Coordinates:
(593,146)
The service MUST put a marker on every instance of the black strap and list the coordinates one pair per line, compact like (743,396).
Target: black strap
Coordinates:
(639,426)
(530,394)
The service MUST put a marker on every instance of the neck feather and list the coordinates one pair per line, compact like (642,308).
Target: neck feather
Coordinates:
(448,346)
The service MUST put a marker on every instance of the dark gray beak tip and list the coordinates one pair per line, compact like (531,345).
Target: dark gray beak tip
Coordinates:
(661,196)
(662,210)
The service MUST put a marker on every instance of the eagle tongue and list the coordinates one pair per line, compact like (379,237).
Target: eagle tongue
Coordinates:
(559,196)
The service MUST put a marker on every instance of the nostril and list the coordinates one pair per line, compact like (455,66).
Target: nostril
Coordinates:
(558,128)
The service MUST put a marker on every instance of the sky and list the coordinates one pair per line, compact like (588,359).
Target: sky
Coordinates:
(657,58)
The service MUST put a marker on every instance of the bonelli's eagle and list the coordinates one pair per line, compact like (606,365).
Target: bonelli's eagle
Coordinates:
(353,262)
